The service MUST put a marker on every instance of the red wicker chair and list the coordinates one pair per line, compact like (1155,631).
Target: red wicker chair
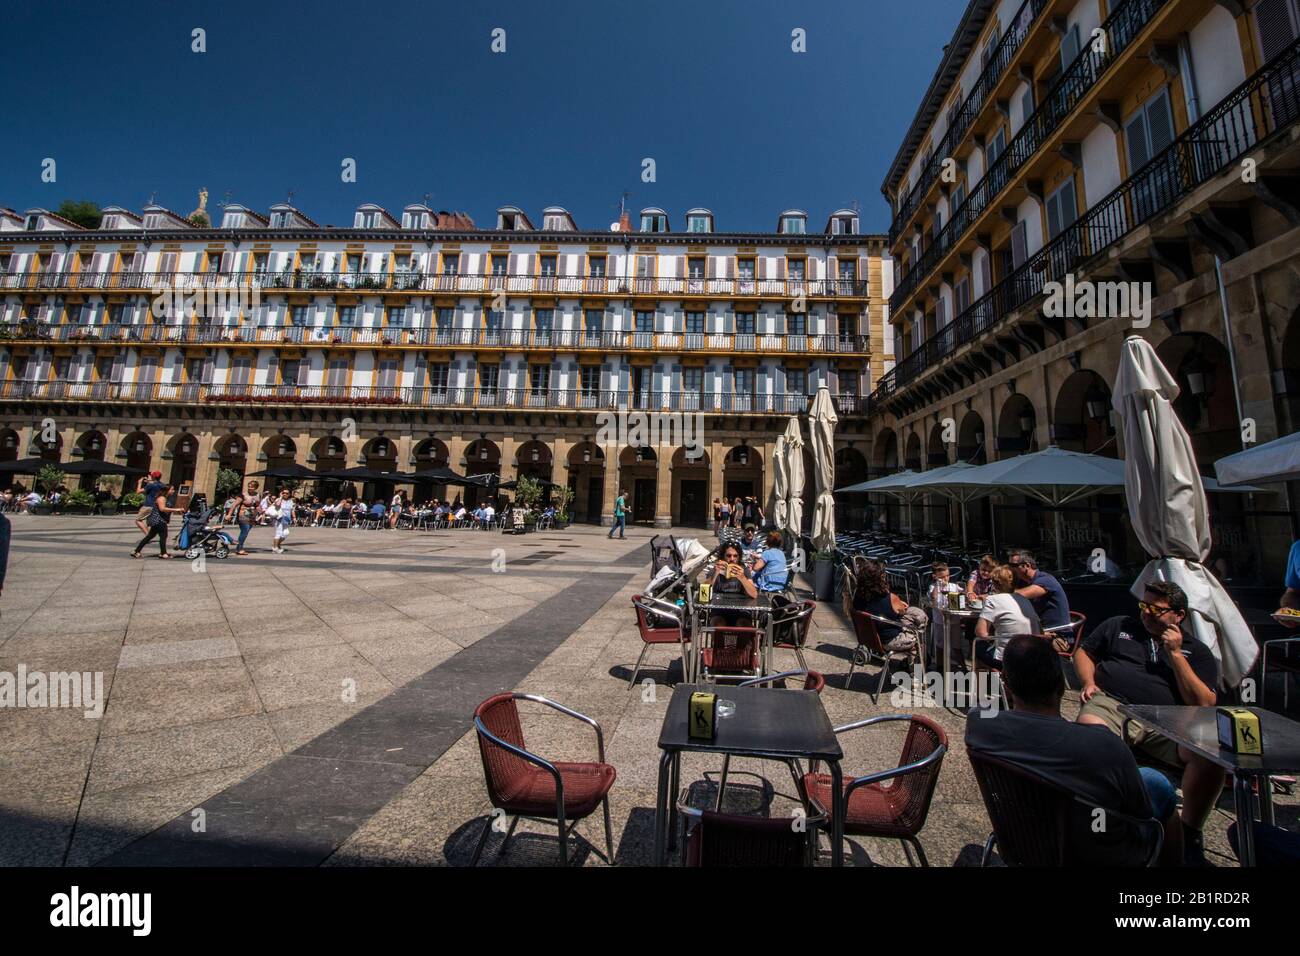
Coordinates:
(657,636)
(732,653)
(897,811)
(724,839)
(1031,816)
(527,786)
(871,649)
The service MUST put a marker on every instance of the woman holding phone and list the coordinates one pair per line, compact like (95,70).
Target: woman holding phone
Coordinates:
(730,577)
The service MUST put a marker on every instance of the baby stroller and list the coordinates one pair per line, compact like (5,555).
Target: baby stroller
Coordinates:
(198,536)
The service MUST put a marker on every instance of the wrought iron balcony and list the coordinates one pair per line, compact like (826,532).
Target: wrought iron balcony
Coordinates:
(1268,102)
(423,283)
(1006,50)
(604,340)
(428,397)
(1121,28)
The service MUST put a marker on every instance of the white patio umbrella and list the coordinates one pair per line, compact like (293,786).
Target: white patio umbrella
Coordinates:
(794,477)
(821,429)
(780,484)
(1274,461)
(940,481)
(1167,506)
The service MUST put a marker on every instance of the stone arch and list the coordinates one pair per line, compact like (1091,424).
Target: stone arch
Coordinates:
(586,465)
(1082,415)
(1017,426)
(692,496)
(972,439)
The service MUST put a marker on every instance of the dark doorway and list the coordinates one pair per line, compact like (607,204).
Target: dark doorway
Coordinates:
(694,507)
(643,500)
(740,488)
(595,492)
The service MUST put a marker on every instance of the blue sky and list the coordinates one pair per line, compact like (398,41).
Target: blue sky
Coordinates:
(709,89)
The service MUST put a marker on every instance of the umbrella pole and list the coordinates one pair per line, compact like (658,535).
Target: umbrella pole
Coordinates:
(962,504)
(1060,550)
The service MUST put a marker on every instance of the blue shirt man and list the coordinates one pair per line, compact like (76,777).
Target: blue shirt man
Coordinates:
(1293,568)
(1043,591)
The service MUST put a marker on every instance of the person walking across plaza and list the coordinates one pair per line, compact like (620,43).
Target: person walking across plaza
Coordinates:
(159,515)
(281,512)
(149,486)
(242,511)
(620,516)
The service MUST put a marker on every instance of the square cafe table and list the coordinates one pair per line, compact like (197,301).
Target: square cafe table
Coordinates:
(1196,729)
(769,722)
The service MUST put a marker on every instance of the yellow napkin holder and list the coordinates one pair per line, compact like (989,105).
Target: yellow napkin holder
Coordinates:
(703,714)
(1239,730)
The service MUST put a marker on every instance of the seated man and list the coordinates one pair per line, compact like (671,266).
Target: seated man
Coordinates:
(377,511)
(749,540)
(770,569)
(1148,660)
(1077,757)
(1045,594)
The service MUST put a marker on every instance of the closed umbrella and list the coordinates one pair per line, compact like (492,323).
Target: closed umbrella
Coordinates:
(794,477)
(821,429)
(1167,506)
(780,484)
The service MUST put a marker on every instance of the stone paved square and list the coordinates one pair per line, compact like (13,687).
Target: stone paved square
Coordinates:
(317,705)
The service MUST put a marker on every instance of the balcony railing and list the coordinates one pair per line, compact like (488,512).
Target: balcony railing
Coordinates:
(427,397)
(1266,103)
(418,282)
(209,333)
(988,80)
(1121,28)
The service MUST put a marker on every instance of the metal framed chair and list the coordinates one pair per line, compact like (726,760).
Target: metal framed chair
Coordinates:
(652,636)
(730,653)
(897,811)
(527,786)
(791,624)
(725,839)
(1073,632)
(872,649)
(813,681)
(1031,816)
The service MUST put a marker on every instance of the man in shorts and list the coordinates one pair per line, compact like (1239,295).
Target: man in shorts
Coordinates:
(1149,660)
(151,487)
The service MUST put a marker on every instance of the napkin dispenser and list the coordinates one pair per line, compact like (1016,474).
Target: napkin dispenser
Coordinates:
(706,592)
(703,712)
(1239,730)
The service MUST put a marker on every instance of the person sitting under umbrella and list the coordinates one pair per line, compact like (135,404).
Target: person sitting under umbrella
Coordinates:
(1149,660)
(1044,593)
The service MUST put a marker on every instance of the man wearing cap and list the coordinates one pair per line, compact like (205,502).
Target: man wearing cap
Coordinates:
(151,487)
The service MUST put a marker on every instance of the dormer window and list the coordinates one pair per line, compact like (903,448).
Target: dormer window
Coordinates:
(654,222)
(844,226)
(109,222)
(33,223)
(793,225)
(415,220)
(553,223)
(699,222)
(232,220)
(153,221)
(509,221)
(368,220)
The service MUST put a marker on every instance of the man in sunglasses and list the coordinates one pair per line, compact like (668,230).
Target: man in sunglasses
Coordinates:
(1149,660)
(1041,589)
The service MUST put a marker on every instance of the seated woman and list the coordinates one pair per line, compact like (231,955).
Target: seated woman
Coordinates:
(1005,614)
(874,597)
(729,577)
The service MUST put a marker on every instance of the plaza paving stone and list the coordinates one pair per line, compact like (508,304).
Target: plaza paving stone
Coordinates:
(316,706)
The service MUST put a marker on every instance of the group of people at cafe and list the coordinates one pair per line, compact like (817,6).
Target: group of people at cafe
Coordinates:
(1142,656)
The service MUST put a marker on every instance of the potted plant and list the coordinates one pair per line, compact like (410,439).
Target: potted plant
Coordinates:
(562,498)
(823,574)
(79,501)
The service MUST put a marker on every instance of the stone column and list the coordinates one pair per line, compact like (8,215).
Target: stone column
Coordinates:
(664,514)
(613,476)
(205,471)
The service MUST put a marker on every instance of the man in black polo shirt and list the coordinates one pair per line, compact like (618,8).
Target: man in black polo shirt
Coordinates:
(1149,660)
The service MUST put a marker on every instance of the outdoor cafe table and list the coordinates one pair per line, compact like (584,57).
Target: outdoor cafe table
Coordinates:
(1196,729)
(769,722)
(759,607)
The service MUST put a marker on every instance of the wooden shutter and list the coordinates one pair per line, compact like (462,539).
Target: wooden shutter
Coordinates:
(1277,21)
(304,372)
(1070,46)
(1019,244)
